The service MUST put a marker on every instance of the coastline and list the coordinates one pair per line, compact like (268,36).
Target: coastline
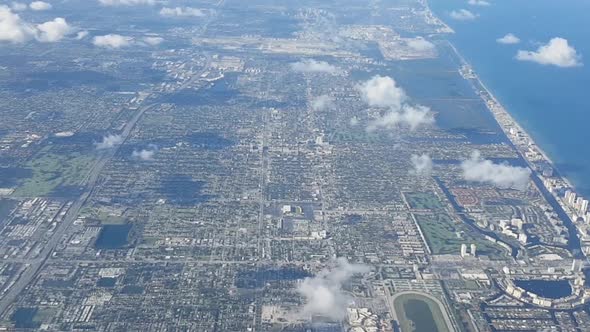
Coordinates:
(526,147)
(502,115)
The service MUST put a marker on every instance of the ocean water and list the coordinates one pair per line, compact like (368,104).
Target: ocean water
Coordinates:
(551,103)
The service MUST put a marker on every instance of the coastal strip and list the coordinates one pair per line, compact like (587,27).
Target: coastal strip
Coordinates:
(575,208)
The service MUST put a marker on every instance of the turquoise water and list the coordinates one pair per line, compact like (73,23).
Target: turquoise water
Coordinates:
(551,103)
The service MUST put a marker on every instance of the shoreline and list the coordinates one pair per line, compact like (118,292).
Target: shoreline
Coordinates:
(496,102)
(527,149)
(497,110)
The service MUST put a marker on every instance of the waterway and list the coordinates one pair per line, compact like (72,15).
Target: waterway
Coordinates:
(551,289)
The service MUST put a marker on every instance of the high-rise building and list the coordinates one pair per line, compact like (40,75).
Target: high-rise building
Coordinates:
(464,250)
(583,207)
(523,238)
(578,202)
(571,200)
(473,249)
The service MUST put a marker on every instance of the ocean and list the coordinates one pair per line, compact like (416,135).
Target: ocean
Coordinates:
(551,103)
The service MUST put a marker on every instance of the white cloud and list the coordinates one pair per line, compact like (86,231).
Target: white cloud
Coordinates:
(109,142)
(144,154)
(323,293)
(313,66)
(421,45)
(181,12)
(556,52)
(116,3)
(40,5)
(409,116)
(19,6)
(463,15)
(482,3)
(382,91)
(12,28)
(81,35)
(322,102)
(153,40)
(15,30)
(500,175)
(508,39)
(53,31)
(422,165)
(112,41)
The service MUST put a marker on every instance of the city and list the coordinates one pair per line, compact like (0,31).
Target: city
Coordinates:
(281,166)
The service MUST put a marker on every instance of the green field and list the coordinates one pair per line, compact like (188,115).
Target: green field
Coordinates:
(104,217)
(418,313)
(51,171)
(445,236)
(424,201)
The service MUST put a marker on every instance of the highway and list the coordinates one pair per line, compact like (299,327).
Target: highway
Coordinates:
(90,182)
(35,265)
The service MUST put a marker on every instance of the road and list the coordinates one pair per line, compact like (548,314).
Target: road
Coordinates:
(35,265)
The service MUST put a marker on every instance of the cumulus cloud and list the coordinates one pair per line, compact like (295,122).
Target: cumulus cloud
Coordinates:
(81,35)
(153,40)
(40,5)
(112,41)
(12,28)
(313,66)
(482,3)
(421,165)
(109,141)
(382,91)
(420,44)
(53,31)
(323,293)
(503,176)
(322,102)
(145,154)
(508,39)
(181,12)
(463,15)
(116,3)
(409,116)
(556,52)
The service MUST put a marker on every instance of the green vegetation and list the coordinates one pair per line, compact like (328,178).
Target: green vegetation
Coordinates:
(45,315)
(445,236)
(109,219)
(538,250)
(51,171)
(419,313)
(341,136)
(424,201)
(104,216)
